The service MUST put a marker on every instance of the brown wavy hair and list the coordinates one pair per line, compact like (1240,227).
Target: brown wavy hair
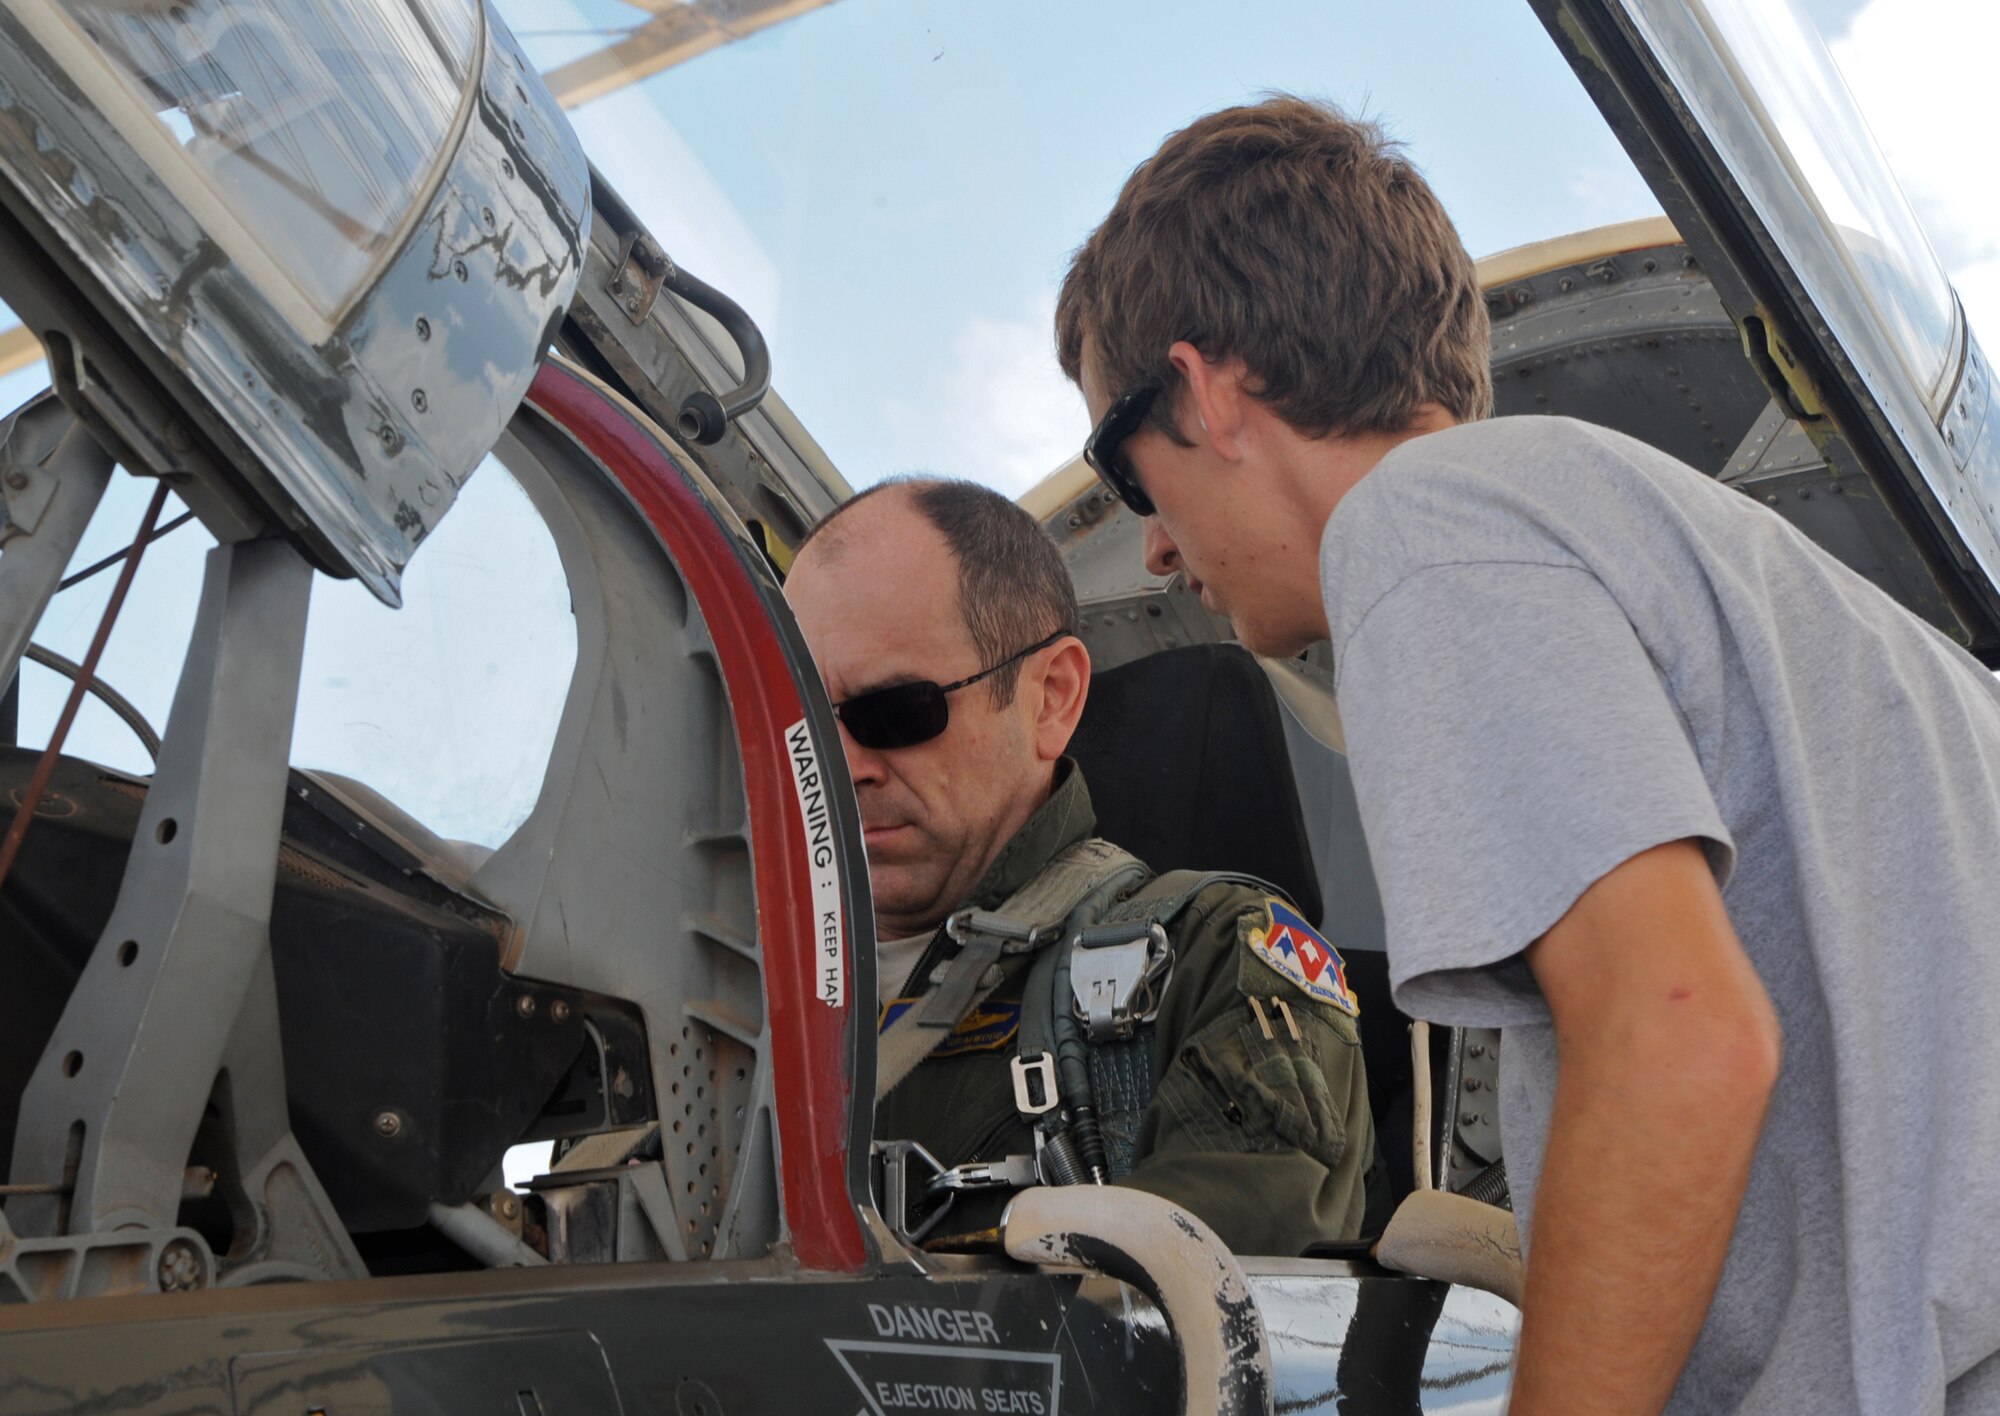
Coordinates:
(1301,241)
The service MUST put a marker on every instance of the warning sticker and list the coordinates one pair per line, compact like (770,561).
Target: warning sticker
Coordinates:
(899,1377)
(829,935)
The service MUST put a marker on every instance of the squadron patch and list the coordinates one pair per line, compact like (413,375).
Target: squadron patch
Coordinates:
(1294,950)
(989,1026)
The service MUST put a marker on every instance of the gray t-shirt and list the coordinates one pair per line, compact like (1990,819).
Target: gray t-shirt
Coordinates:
(1557,647)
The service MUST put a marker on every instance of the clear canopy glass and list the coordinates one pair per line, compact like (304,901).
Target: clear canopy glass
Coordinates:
(1798,98)
(447,707)
(314,124)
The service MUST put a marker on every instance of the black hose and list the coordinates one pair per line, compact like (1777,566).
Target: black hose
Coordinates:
(1073,1075)
(703,417)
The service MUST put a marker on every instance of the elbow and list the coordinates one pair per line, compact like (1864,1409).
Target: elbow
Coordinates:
(1723,1060)
(1745,1049)
(1763,1048)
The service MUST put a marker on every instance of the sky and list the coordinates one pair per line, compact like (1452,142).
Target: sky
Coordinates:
(892,188)
(898,208)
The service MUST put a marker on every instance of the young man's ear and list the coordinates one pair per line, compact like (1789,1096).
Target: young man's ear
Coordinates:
(1064,682)
(1216,398)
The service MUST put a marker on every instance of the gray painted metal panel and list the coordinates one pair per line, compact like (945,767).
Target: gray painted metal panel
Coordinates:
(181,988)
(632,874)
(47,462)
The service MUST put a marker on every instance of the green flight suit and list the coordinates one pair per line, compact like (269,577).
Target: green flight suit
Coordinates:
(1266,1138)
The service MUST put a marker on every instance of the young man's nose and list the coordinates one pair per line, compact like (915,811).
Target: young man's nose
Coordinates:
(1163,557)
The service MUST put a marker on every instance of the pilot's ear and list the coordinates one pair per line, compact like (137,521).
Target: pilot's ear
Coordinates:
(1063,680)
(1215,396)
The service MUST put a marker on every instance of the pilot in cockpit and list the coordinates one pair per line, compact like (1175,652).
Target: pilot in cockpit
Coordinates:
(1051,1010)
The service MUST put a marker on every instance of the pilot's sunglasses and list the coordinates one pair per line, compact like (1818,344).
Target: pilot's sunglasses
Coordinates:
(906,714)
(1104,449)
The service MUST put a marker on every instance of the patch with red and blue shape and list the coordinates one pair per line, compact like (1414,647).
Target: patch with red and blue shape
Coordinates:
(1284,943)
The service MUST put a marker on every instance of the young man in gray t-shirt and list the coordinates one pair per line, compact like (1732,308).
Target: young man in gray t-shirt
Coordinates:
(1704,821)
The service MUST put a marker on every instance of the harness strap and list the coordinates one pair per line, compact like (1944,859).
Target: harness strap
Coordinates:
(1119,1071)
(1085,877)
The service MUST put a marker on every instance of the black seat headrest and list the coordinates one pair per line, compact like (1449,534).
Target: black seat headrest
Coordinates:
(1184,752)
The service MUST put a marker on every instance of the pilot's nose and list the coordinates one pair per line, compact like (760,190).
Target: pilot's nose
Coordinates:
(1163,557)
(863,764)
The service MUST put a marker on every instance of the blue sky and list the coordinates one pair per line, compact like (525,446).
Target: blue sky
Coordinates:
(893,186)
(903,194)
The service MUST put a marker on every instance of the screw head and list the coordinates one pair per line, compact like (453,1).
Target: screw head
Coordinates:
(420,400)
(487,213)
(525,1005)
(423,328)
(559,1010)
(388,1123)
(507,169)
(388,436)
(180,1267)
(458,269)
(510,1206)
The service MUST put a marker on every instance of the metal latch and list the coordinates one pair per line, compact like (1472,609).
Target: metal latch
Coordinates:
(1028,1070)
(1118,983)
(643,267)
(916,1182)
(900,1197)
(1014,1173)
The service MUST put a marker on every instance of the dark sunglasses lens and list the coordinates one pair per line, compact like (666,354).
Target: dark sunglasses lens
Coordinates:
(902,716)
(1105,451)
(1126,486)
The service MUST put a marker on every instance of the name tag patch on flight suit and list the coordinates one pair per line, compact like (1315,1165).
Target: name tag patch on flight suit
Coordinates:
(1295,951)
(990,1025)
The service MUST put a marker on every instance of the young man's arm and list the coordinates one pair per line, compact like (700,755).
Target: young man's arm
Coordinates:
(1668,1050)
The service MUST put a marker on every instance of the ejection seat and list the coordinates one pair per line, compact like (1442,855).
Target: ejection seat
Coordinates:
(1185,753)
(1189,756)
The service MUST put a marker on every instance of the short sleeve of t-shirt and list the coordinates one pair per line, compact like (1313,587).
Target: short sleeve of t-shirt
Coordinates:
(1511,743)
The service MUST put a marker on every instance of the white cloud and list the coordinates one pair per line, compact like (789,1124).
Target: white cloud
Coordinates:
(1002,414)
(1922,72)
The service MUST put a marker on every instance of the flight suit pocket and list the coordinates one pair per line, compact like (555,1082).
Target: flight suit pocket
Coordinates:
(1233,1089)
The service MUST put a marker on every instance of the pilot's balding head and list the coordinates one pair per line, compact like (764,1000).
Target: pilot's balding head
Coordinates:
(933,581)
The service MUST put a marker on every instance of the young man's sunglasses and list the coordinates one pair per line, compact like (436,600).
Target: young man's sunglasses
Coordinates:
(906,714)
(1104,449)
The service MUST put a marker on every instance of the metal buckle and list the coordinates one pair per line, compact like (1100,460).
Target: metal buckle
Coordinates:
(1016,1172)
(897,1194)
(1042,1065)
(1106,980)
(1016,937)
